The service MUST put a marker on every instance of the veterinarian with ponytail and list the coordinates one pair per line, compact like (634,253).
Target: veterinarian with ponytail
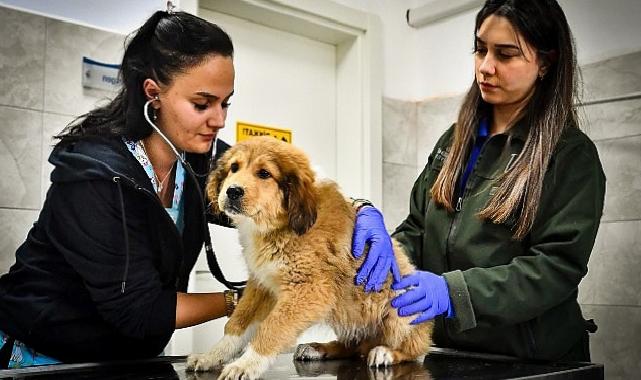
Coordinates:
(103,273)
(504,216)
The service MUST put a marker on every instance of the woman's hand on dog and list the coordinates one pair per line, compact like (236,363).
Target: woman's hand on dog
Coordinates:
(379,261)
(426,294)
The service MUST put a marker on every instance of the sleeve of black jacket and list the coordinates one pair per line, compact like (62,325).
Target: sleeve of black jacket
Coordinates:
(87,228)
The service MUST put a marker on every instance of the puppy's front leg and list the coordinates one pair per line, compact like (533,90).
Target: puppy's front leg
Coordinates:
(297,308)
(253,307)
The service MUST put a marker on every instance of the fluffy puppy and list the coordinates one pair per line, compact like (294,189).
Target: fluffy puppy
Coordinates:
(296,236)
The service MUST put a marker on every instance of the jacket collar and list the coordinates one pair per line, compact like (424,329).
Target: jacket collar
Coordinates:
(519,130)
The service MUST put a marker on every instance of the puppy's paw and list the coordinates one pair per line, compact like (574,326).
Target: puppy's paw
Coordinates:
(203,362)
(380,356)
(310,351)
(242,370)
(249,366)
(222,352)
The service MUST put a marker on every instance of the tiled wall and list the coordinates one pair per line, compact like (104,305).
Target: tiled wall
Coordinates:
(40,78)
(611,292)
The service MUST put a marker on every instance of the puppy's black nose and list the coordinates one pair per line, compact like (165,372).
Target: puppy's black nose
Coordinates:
(235,192)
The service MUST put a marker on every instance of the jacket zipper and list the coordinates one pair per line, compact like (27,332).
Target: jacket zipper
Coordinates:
(457,212)
(166,215)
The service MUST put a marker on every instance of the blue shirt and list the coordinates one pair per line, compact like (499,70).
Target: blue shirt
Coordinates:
(481,136)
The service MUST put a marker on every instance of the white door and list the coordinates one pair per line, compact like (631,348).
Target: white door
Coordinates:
(283,80)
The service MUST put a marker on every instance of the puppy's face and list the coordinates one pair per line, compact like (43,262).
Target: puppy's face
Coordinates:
(267,181)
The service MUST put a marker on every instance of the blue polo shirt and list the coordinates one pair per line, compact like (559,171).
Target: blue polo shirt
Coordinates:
(481,136)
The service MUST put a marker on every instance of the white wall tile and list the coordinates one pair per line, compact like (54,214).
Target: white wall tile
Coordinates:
(66,45)
(435,116)
(20,155)
(397,187)
(612,120)
(399,131)
(621,160)
(613,271)
(22,50)
(613,77)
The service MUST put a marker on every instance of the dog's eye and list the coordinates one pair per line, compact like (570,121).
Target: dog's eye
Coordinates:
(264,174)
(234,167)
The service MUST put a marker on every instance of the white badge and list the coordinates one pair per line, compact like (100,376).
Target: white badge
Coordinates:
(98,75)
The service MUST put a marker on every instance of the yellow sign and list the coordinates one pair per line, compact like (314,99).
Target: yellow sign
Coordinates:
(245,131)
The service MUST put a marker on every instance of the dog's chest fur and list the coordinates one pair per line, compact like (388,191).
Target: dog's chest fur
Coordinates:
(264,261)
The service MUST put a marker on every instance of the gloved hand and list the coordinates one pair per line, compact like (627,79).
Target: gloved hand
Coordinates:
(426,294)
(380,260)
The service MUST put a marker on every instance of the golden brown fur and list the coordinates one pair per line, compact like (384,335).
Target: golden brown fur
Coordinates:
(296,236)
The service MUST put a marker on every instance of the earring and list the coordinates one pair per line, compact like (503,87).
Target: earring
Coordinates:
(154,115)
(541,75)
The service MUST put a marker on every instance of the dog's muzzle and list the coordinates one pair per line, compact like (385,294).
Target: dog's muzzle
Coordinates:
(234,199)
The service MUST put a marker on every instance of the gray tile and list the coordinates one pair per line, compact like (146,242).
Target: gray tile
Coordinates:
(435,116)
(21,59)
(14,225)
(620,159)
(66,45)
(397,186)
(612,77)
(52,125)
(613,272)
(612,120)
(20,155)
(399,131)
(616,343)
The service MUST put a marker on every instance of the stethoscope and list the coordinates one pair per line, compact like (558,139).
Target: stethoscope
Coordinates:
(212,262)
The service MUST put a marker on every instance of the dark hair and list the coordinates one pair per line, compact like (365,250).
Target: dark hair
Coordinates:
(166,45)
(549,111)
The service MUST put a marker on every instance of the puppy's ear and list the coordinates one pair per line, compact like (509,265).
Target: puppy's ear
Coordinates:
(301,200)
(215,181)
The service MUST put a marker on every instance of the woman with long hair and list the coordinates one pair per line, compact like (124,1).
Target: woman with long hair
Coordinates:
(103,273)
(504,216)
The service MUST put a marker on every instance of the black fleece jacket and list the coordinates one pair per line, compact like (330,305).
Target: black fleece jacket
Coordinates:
(96,278)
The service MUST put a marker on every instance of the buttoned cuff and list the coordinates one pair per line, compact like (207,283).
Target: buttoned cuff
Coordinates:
(464,317)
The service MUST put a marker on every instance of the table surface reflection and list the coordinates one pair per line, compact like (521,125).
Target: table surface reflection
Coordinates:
(439,364)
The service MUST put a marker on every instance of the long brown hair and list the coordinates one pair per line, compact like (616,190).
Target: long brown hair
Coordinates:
(549,111)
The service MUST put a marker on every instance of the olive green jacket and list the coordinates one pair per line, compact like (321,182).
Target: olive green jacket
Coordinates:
(510,297)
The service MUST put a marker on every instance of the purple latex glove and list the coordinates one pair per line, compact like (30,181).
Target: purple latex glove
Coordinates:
(427,294)
(380,260)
